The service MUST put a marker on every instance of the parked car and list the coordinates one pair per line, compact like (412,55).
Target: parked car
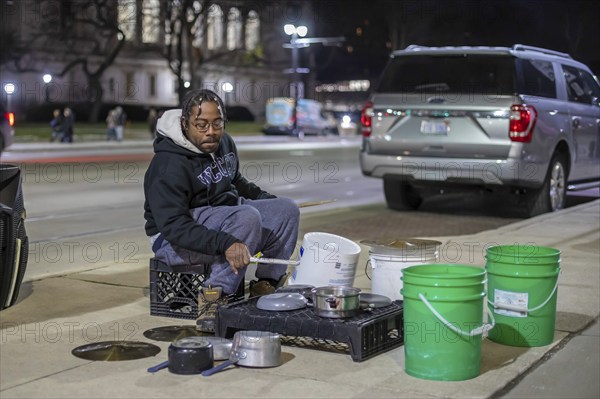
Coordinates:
(521,121)
(7,131)
(309,114)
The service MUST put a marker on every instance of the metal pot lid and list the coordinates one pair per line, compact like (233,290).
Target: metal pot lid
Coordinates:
(172,333)
(370,301)
(116,350)
(402,243)
(283,301)
(192,343)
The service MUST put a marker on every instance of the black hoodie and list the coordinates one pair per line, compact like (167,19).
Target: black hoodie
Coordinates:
(180,177)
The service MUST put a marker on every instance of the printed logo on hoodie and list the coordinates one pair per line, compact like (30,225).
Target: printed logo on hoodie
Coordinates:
(222,167)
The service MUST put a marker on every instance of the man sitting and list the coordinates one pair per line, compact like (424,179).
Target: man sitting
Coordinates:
(197,204)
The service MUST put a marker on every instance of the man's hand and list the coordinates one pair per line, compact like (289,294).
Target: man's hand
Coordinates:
(238,256)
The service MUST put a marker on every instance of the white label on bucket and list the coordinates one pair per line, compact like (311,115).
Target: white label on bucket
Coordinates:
(512,304)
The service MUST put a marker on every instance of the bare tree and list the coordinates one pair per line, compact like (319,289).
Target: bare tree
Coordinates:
(181,19)
(186,29)
(71,35)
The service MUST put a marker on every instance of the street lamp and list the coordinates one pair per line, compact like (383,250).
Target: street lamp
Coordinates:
(227,88)
(9,89)
(295,32)
(47,78)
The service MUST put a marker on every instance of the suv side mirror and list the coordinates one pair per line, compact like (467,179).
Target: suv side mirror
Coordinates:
(596,101)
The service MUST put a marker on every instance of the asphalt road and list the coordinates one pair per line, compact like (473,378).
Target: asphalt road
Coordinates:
(88,211)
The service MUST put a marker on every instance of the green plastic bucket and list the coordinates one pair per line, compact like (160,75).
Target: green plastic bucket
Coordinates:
(522,287)
(443,317)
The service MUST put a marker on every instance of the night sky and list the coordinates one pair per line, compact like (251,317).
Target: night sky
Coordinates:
(373,28)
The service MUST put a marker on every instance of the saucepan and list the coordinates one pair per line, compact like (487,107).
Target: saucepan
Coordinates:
(252,349)
(190,355)
(336,301)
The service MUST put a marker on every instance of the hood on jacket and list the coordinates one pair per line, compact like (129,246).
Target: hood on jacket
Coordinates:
(169,125)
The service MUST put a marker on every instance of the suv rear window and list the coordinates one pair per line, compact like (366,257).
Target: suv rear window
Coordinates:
(460,73)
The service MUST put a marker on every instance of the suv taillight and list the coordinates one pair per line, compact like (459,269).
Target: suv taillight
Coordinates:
(365,118)
(10,117)
(522,122)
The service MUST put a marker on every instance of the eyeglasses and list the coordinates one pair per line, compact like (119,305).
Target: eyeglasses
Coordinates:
(203,126)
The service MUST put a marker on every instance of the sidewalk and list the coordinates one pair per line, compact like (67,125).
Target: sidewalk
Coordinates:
(56,314)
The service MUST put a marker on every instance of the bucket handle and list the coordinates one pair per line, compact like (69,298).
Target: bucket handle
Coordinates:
(517,309)
(476,331)
(366,267)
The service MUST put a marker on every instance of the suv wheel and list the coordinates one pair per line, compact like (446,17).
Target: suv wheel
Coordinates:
(552,195)
(399,195)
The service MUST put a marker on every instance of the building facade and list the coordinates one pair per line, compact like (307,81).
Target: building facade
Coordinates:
(233,47)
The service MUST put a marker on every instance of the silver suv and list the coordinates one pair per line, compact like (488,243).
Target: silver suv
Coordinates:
(522,121)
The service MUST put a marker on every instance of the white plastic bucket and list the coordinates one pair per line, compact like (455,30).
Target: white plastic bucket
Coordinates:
(326,259)
(386,271)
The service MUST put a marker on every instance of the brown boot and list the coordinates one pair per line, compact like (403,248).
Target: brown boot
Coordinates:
(266,286)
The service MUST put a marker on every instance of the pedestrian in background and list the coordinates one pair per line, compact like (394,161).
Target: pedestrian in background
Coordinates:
(111,124)
(121,119)
(56,126)
(69,125)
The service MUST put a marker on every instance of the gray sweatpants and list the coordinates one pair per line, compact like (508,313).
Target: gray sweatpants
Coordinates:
(269,226)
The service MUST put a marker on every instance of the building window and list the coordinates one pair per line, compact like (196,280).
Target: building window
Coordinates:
(252,30)
(234,29)
(198,27)
(150,21)
(130,88)
(215,27)
(126,16)
(152,85)
(111,86)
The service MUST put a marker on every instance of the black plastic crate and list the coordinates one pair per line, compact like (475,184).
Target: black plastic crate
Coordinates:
(366,335)
(174,291)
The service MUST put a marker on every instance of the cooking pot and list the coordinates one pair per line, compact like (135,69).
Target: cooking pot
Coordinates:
(336,301)
(221,347)
(191,355)
(252,349)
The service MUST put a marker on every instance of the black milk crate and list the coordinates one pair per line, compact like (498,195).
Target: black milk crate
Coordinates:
(366,335)
(174,291)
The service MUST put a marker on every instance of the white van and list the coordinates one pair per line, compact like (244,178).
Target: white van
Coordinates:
(309,113)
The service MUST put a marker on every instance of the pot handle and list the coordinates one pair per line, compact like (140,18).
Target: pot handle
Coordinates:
(158,367)
(220,367)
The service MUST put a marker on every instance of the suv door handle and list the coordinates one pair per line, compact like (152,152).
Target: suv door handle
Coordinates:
(576,122)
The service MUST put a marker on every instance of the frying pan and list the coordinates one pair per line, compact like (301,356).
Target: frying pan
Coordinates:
(252,349)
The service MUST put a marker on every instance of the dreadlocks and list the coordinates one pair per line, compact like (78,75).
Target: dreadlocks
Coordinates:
(195,98)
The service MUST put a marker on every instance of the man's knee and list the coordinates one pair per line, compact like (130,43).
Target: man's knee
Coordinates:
(245,217)
(288,207)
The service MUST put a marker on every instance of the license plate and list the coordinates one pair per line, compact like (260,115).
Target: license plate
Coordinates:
(435,127)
